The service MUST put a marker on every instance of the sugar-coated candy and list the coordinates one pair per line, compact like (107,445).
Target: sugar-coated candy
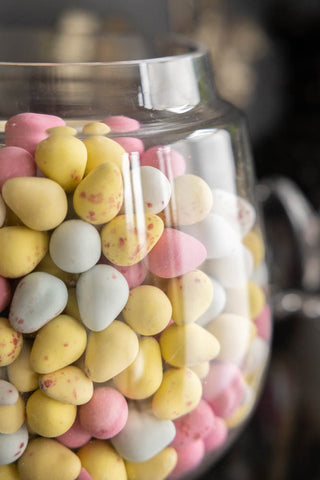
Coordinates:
(130,144)
(75,437)
(20,372)
(15,162)
(155,188)
(189,457)
(263,323)
(58,344)
(157,468)
(12,416)
(217,436)
(143,436)
(12,445)
(102,292)
(100,150)
(21,250)
(44,455)
(101,461)
(134,274)
(8,393)
(9,472)
(84,475)
(11,343)
(47,265)
(216,306)
(166,159)
(95,128)
(254,242)
(121,123)
(38,298)
(201,369)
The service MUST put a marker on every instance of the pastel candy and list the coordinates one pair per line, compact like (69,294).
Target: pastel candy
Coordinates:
(75,246)
(84,475)
(102,149)
(201,369)
(38,298)
(254,242)
(98,197)
(189,457)
(15,162)
(175,254)
(263,323)
(12,416)
(58,344)
(75,437)
(9,472)
(257,299)
(8,393)
(143,436)
(102,293)
(95,128)
(11,343)
(127,241)
(106,413)
(157,468)
(134,274)
(5,293)
(155,188)
(13,445)
(190,295)
(20,372)
(216,306)
(130,144)
(257,357)
(217,436)
(47,265)
(100,460)
(166,159)
(26,130)
(45,455)
(21,250)
(121,123)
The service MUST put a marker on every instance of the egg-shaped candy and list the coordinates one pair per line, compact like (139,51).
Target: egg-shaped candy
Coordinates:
(216,306)
(100,150)
(155,188)
(8,393)
(11,343)
(101,461)
(12,416)
(75,246)
(67,385)
(15,162)
(20,372)
(12,445)
(102,292)
(121,123)
(47,265)
(38,298)
(157,468)
(168,160)
(9,472)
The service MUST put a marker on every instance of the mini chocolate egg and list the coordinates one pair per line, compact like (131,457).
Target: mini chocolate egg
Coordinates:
(20,372)
(217,305)
(12,445)
(155,188)
(11,343)
(157,468)
(8,393)
(12,416)
(67,385)
(101,461)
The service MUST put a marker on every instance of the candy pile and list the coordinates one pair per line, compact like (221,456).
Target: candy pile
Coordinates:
(134,328)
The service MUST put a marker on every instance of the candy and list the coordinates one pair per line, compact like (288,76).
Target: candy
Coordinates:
(148,310)
(166,159)
(100,150)
(174,254)
(48,417)
(98,197)
(201,369)
(144,376)
(106,413)
(187,345)
(101,461)
(26,130)
(13,445)
(84,475)
(130,144)
(40,203)
(127,241)
(21,250)
(179,393)
(75,246)
(217,436)
(263,323)
(15,162)
(216,306)
(190,295)
(5,293)
(189,457)
(157,468)
(58,344)
(102,292)
(95,128)
(254,242)
(44,455)
(9,472)
(68,385)
(75,437)
(110,351)
(47,265)
(257,299)
(11,343)
(121,123)
(69,172)
(38,298)
(20,372)
(72,307)
(12,416)
(143,436)
(155,188)
(134,274)
(8,393)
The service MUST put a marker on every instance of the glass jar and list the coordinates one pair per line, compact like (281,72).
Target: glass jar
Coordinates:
(135,321)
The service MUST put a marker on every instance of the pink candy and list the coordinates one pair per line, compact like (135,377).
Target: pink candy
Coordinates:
(189,457)
(263,323)
(15,162)
(26,130)
(175,253)
(134,274)
(105,414)
(166,159)
(84,475)
(121,123)
(217,436)
(75,437)
(130,144)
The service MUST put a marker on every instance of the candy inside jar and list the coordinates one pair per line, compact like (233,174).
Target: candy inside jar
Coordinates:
(135,324)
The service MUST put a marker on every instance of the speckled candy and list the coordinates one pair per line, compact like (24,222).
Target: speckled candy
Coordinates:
(11,343)
(8,393)
(100,150)
(13,445)
(75,437)
(217,436)
(189,457)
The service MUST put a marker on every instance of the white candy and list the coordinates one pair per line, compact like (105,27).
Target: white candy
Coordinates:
(38,298)
(102,293)
(75,246)
(8,393)
(12,445)
(216,234)
(257,356)
(236,210)
(156,189)
(143,436)
(217,304)
(237,301)
(233,333)
(231,271)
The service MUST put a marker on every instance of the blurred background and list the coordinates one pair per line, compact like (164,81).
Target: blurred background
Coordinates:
(266,60)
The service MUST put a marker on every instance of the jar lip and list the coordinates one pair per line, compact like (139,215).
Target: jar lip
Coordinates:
(194,49)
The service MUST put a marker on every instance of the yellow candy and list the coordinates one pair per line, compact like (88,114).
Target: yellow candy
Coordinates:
(190,295)
(20,372)
(201,369)
(187,345)
(127,240)
(58,344)
(98,197)
(10,343)
(48,417)
(110,351)
(72,307)
(12,416)
(68,385)
(101,461)
(21,250)
(47,265)
(257,299)
(254,242)
(157,468)
(9,472)
(62,130)
(96,128)
(62,158)
(100,150)
(179,393)
(144,376)
(40,203)
(46,459)
(148,310)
